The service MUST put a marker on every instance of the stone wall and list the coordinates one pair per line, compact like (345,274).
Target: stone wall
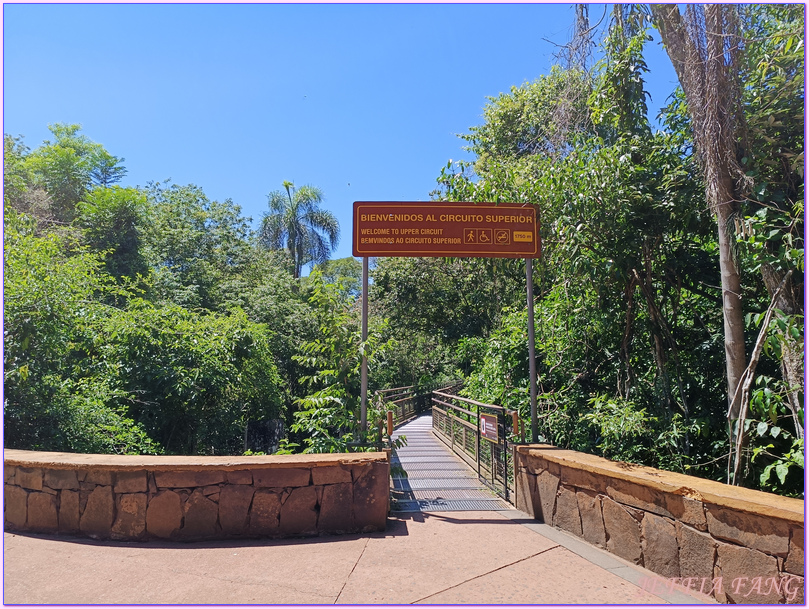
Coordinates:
(191,498)
(739,545)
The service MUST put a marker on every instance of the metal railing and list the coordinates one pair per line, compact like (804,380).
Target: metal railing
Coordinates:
(408,402)
(457,422)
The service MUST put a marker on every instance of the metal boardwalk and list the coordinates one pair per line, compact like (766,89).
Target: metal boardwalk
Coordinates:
(428,477)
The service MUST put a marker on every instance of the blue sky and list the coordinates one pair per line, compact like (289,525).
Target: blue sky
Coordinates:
(363,101)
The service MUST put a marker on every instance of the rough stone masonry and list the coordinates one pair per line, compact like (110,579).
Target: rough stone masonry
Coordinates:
(192,498)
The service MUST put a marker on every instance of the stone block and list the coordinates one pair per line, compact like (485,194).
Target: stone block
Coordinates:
(130,520)
(766,534)
(29,478)
(131,482)
(189,478)
(547,488)
(59,479)
(68,511)
(239,477)
(697,552)
(96,519)
(371,495)
(638,496)
(794,589)
(795,561)
(201,516)
(527,497)
(49,490)
(234,508)
(336,509)
(332,474)
(164,514)
(264,513)
(566,515)
(8,474)
(749,576)
(592,523)
(16,506)
(623,531)
(299,512)
(536,465)
(104,477)
(42,516)
(281,478)
(209,491)
(659,546)
(580,478)
(688,510)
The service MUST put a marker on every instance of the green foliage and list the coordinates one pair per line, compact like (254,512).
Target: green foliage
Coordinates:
(346,272)
(114,221)
(64,168)
(95,420)
(500,364)
(50,298)
(773,444)
(621,427)
(618,101)
(538,118)
(197,378)
(16,175)
(194,245)
(329,417)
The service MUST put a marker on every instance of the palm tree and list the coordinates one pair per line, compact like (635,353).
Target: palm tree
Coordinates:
(296,223)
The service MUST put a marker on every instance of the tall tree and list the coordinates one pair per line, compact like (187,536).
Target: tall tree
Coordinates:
(107,169)
(704,47)
(194,245)
(63,168)
(296,223)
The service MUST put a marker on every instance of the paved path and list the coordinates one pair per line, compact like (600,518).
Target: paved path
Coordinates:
(427,476)
(436,558)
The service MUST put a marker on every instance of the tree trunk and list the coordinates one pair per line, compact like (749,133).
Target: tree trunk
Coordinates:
(703,53)
(792,365)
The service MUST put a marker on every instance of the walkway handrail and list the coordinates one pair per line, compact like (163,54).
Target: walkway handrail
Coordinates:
(468,401)
(491,456)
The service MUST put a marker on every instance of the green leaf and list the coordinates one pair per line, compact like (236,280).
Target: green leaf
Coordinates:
(781,470)
(761,429)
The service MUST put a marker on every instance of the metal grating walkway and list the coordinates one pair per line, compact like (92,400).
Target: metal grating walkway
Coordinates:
(435,479)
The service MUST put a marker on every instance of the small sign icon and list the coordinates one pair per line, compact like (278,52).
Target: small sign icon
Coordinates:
(484,235)
(523,236)
(470,235)
(502,237)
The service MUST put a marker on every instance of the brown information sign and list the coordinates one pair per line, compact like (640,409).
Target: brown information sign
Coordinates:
(488,427)
(438,229)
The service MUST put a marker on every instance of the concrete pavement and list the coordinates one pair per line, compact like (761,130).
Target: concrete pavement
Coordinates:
(434,558)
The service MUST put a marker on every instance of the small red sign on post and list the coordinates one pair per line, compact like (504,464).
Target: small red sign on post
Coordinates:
(488,427)
(438,229)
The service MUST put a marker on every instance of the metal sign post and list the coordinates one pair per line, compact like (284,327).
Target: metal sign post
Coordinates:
(364,372)
(532,365)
